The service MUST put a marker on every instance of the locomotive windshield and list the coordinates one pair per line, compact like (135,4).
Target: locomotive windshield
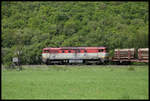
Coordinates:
(46,51)
(101,50)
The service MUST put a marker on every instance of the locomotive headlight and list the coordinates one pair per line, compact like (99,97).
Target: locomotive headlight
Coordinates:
(103,56)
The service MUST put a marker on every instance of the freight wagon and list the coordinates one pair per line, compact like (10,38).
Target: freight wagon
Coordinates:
(126,56)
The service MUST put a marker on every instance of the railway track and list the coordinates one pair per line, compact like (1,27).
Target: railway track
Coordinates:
(78,65)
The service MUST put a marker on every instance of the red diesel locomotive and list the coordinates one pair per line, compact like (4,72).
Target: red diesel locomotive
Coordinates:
(71,55)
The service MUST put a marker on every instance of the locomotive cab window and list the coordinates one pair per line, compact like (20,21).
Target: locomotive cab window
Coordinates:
(100,50)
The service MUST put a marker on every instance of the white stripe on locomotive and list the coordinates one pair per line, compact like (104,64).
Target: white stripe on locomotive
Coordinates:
(74,55)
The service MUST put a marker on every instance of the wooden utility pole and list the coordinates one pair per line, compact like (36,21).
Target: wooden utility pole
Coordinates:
(19,60)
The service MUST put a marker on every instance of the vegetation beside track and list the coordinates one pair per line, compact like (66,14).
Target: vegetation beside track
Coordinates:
(76,82)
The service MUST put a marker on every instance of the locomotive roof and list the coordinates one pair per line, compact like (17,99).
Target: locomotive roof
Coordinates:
(75,48)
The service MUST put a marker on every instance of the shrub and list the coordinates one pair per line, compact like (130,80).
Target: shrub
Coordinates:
(131,69)
(9,65)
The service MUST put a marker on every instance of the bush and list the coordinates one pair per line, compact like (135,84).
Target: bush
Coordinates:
(131,69)
(9,65)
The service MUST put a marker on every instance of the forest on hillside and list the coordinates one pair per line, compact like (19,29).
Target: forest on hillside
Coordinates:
(34,25)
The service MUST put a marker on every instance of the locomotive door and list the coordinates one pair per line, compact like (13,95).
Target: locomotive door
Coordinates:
(80,54)
(76,55)
(53,54)
(85,54)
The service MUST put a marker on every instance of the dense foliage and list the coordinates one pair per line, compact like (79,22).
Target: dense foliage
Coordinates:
(35,25)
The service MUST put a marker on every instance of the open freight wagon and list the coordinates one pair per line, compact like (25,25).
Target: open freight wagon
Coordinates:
(126,56)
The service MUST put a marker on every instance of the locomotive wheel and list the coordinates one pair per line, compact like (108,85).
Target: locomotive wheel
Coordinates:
(48,62)
(106,62)
(86,62)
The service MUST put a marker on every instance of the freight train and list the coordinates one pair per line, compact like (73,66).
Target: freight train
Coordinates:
(90,55)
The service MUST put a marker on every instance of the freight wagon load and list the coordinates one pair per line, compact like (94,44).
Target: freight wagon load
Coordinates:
(124,53)
(143,53)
